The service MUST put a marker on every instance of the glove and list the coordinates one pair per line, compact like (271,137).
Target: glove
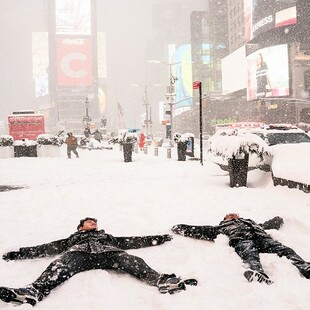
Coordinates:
(11,256)
(278,222)
(274,223)
(167,237)
(175,228)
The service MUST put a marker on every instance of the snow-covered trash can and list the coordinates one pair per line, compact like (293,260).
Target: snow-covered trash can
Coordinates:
(127,141)
(127,151)
(236,150)
(6,146)
(182,146)
(182,143)
(238,170)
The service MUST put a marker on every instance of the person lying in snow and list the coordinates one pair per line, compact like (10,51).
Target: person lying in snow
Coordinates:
(248,239)
(88,249)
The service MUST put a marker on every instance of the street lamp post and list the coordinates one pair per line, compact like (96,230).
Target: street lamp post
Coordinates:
(146,103)
(171,93)
(86,118)
(148,115)
(86,108)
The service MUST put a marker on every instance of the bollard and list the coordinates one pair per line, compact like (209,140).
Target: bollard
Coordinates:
(136,148)
(168,152)
(156,151)
(145,150)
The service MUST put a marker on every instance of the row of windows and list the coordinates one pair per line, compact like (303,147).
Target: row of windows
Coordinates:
(236,8)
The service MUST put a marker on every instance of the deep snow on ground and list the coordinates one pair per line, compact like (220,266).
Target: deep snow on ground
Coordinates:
(144,197)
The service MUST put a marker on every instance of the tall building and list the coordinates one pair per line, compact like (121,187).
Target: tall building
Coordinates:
(274,56)
(235,16)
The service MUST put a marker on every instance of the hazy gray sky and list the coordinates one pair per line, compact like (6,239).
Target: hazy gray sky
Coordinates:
(134,31)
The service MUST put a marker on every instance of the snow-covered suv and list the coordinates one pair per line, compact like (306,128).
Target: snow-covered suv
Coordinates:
(284,134)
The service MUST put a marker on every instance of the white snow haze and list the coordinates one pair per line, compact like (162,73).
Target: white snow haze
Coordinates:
(145,197)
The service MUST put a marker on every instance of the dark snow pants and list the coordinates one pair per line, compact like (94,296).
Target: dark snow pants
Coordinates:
(249,251)
(72,263)
(73,149)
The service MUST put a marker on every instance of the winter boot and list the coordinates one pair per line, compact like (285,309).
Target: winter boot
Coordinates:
(169,283)
(305,272)
(260,277)
(20,296)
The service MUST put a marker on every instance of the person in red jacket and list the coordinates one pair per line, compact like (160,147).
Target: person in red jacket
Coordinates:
(72,144)
(89,249)
(141,141)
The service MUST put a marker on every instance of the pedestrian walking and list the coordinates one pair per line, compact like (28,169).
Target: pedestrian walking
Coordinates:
(72,144)
(141,141)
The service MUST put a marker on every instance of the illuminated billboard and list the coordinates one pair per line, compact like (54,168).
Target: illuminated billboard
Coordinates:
(74,62)
(73,17)
(263,15)
(268,73)
(183,71)
(40,63)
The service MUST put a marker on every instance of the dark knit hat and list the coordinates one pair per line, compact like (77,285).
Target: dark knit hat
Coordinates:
(84,220)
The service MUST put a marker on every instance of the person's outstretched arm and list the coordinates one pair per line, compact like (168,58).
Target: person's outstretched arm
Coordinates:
(198,232)
(126,243)
(43,250)
(274,223)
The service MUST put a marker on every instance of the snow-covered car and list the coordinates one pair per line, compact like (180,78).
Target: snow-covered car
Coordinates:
(290,163)
(284,134)
(290,150)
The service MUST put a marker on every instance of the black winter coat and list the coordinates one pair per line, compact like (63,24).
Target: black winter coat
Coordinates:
(91,242)
(235,230)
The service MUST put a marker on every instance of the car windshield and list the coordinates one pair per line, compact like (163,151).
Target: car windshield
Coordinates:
(289,137)
(261,135)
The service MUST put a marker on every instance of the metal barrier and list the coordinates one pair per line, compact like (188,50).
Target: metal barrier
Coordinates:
(145,149)
(136,148)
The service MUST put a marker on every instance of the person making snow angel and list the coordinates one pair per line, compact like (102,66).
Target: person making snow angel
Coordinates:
(248,239)
(88,249)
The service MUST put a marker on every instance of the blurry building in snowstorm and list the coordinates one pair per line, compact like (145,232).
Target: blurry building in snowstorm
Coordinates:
(275,33)
(235,16)
(78,59)
(209,45)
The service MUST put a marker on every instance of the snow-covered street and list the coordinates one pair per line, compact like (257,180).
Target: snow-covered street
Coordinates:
(144,197)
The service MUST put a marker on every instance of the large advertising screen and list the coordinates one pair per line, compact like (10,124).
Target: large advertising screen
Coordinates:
(74,62)
(268,73)
(263,15)
(73,17)
(183,71)
(40,62)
